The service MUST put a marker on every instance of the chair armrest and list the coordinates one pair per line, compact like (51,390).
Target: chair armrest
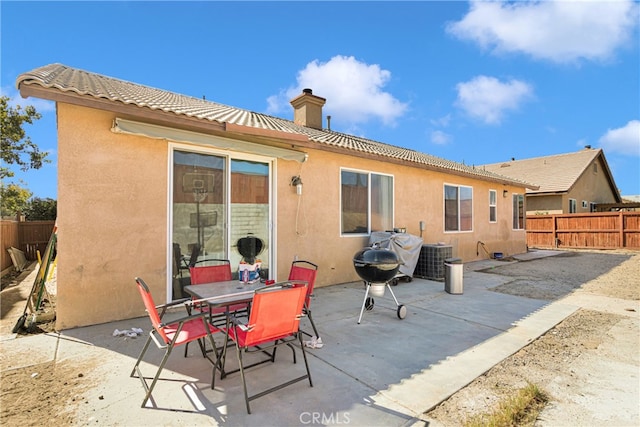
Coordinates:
(185,319)
(239,324)
(173,303)
(164,307)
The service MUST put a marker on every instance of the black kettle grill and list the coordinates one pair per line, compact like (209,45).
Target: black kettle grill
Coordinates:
(250,247)
(377,266)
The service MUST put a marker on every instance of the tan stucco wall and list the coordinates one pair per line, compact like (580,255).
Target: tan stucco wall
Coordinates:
(544,205)
(592,187)
(112,217)
(418,197)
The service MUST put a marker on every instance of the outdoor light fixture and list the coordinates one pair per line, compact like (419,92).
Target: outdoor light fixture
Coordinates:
(297,182)
(504,193)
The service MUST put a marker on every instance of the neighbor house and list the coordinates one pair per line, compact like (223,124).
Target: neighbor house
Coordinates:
(144,174)
(568,183)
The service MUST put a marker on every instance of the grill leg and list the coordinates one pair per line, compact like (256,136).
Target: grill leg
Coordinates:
(393,295)
(366,294)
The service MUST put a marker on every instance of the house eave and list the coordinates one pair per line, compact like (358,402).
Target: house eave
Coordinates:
(232,130)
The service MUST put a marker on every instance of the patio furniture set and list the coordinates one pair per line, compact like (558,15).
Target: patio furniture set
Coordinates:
(253,317)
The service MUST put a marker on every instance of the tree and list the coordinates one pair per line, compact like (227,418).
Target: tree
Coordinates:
(17,148)
(13,199)
(41,209)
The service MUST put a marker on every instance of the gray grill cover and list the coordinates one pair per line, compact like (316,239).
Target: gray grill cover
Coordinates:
(406,247)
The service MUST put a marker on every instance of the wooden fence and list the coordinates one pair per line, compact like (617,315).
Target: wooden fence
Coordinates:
(29,237)
(596,230)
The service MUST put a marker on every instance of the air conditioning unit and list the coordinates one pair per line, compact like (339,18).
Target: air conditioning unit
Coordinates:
(431,261)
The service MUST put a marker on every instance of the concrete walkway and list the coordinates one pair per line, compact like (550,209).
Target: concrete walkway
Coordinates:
(382,372)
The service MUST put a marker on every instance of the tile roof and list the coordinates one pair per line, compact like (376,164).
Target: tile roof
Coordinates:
(86,84)
(553,174)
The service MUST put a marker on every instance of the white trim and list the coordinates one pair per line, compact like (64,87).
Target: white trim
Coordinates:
(368,173)
(228,157)
(130,127)
(495,205)
(444,208)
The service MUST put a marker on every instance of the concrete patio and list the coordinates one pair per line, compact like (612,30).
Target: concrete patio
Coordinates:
(382,372)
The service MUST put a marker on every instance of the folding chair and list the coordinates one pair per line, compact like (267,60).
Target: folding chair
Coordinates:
(216,270)
(220,271)
(274,320)
(166,336)
(180,280)
(306,272)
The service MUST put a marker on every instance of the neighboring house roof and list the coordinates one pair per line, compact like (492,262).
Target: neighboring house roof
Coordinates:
(66,84)
(554,174)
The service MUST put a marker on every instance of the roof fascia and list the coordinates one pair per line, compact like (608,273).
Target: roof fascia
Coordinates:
(118,107)
(612,182)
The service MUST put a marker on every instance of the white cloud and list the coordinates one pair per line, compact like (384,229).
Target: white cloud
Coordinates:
(560,31)
(488,99)
(624,140)
(353,90)
(442,121)
(440,138)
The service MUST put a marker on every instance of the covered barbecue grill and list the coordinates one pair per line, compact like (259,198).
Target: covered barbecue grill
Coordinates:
(377,266)
(406,246)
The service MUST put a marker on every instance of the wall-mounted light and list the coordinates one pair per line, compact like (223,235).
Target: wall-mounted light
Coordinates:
(504,193)
(296,181)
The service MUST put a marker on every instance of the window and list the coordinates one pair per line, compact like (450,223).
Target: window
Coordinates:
(592,207)
(518,212)
(585,204)
(458,208)
(367,202)
(492,205)
(572,205)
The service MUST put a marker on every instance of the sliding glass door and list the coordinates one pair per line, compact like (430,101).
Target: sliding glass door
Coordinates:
(216,200)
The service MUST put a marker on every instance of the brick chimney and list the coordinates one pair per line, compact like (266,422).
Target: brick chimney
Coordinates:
(307,109)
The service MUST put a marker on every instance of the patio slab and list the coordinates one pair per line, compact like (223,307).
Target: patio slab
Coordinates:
(383,371)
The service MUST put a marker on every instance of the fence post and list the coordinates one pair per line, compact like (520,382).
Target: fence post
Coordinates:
(621,229)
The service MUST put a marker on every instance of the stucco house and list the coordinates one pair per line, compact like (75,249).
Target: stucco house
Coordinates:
(143,171)
(568,183)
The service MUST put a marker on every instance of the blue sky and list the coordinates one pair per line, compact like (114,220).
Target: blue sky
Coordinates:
(467,81)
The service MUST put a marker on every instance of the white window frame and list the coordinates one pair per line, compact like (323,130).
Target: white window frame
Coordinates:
(369,175)
(573,206)
(515,214)
(493,207)
(444,208)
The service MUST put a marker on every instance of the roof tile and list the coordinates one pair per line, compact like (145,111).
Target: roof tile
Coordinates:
(83,83)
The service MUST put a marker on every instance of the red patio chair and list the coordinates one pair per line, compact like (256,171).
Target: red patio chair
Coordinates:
(306,272)
(166,336)
(215,270)
(274,320)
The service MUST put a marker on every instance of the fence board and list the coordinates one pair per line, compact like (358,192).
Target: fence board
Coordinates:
(9,238)
(596,230)
(28,236)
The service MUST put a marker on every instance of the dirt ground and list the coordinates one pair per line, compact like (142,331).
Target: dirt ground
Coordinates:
(51,391)
(551,359)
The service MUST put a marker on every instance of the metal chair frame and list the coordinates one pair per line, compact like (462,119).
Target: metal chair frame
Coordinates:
(166,336)
(285,299)
(306,272)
